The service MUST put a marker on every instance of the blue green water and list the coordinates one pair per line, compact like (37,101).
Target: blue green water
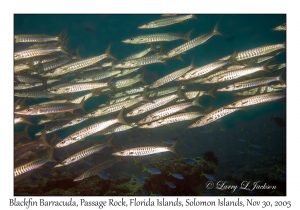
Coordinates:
(93,33)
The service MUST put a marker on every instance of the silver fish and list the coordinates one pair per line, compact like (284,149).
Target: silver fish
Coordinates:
(169,111)
(84,153)
(37,52)
(257,99)
(170,77)
(33,164)
(259,51)
(164,91)
(76,65)
(95,76)
(150,59)
(51,108)
(118,106)
(23,150)
(140,54)
(35,94)
(234,74)
(161,37)
(87,131)
(252,83)
(203,70)
(39,37)
(193,43)
(167,21)
(155,104)
(172,119)
(77,87)
(97,169)
(128,81)
(149,150)
(125,72)
(212,116)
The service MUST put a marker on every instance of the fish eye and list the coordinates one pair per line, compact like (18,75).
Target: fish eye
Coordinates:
(63,142)
(26,110)
(123,63)
(131,39)
(122,152)
(131,153)
(142,39)
(227,87)
(233,104)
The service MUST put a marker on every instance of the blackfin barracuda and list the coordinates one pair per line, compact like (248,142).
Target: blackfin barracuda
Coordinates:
(167,21)
(256,99)
(171,77)
(212,116)
(87,131)
(252,83)
(51,108)
(84,153)
(118,106)
(172,119)
(98,168)
(193,43)
(76,65)
(34,164)
(156,103)
(161,37)
(170,110)
(149,150)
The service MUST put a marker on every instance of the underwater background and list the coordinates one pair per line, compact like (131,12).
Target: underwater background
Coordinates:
(223,149)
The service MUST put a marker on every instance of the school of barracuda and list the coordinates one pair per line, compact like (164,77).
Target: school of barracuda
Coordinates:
(50,65)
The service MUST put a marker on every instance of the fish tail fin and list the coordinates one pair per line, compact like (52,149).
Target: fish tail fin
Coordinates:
(152,48)
(107,53)
(192,65)
(62,35)
(173,148)
(187,35)
(196,101)
(81,104)
(109,142)
(178,57)
(208,110)
(194,17)
(142,77)
(232,58)
(26,120)
(76,54)
(63,46)
(43,140)
(280,77)
(212,91)
(109,84)
(265,66)
(216,30)
(145,97)
(121,119)
(179,93)
(135,161)
(50,156)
